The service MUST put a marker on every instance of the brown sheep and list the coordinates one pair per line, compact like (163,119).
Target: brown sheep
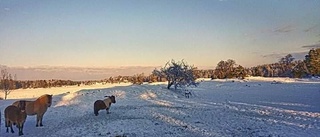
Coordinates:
(15,115)
(104,104)
(38,107)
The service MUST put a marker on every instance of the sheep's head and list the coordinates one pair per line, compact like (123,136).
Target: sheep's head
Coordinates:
(113,98)
(22,105)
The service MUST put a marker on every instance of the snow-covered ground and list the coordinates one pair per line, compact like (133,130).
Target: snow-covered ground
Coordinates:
(252,107)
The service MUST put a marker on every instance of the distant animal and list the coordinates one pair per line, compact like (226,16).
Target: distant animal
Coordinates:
(15,115)
(38,107)
(104,104)
(187,94)
(275,82)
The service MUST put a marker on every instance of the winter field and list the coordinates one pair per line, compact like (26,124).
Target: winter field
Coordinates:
(242,108)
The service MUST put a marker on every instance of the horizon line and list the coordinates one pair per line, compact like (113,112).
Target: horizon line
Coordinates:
(93,67)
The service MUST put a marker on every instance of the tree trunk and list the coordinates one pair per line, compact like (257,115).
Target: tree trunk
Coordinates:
(5,94)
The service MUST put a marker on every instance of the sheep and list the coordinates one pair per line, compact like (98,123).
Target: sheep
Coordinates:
(16,115)
(104,104)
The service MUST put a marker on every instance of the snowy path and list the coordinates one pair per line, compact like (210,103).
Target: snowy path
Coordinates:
(216,108)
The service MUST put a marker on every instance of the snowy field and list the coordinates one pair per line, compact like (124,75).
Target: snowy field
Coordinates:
(267,107)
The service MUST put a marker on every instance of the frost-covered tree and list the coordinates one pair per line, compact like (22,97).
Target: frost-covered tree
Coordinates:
(300,69)
(288,59)
(240,72)
(138,79)
(225,69)
(177,74)
(313,61)
(6,80)
(159,74)
(286,65)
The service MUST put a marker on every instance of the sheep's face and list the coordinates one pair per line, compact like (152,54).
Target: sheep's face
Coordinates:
(113,99)
(49,100)
(22,106)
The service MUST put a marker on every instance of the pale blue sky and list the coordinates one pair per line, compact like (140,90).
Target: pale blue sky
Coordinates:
(94,33)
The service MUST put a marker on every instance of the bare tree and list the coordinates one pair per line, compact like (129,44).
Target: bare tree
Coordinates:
(5,82)
(177,74)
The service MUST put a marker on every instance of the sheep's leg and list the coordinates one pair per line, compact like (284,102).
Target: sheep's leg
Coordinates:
(38,116)
(107,109)
(96,112)
(7,125)
(11,128)
(20,129)
(41,116)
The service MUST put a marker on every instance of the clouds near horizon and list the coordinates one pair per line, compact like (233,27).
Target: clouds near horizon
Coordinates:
(284,29)
(313,46)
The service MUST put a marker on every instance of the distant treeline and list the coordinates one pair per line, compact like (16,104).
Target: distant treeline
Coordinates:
(286,67)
